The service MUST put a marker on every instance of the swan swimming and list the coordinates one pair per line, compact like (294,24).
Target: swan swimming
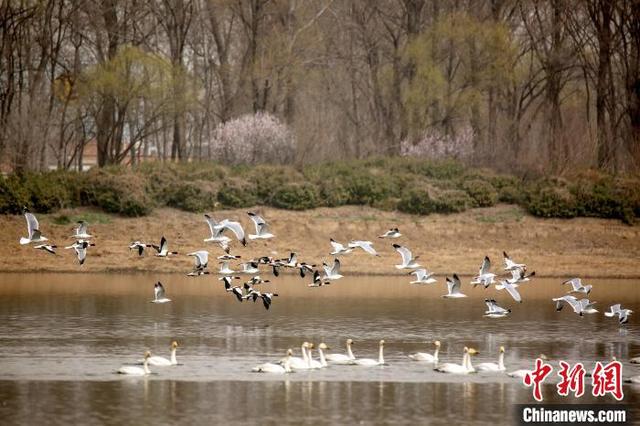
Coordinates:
(523,372)
(160,361)
(132,370)
(299,363)
(427,357)
(453,287)
(368,362)
(270,367)
(422,277)
(492,366)
(33,230)
(159,294)
(342,358)
(464,368)
(262,229)
(408,260)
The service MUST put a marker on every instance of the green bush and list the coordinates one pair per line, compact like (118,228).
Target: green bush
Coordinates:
(603,198)
(295,196)
(551,201)
(511,195)
(423,201)
(235,193)
(453,201)
(13,195)
(192,196)
(117,193)
(50,191)
(482,192)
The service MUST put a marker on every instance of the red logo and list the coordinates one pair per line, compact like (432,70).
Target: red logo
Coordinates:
(607,379)
(537,376)
(572,380)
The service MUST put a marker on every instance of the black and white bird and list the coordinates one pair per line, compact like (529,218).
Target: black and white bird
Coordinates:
(520,276)
(228,256)
(225,269)
(256,280)
(262,229)
(422,277)
(332,272)
(81,231)
(159,294)
(249,267)
(367,246)
(580,307)
(338,248)
(391,233)
(510,265)
(494,310)
(617,309)
(201,258)
(511,289)
(235,227)
(140,246)
(33,230)
(267,299)
(163,248)
(228,280)
(46,247)
(408,260)
(484,277)
(317,280)
(453,288)
(577,286)
(80,248)
(216,233)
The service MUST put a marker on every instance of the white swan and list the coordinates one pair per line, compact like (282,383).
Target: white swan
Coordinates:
(299,363)
(492,366)
(464,368)
(312,362)
(275,368)
(160,361)
(633,379)
(368,362)
(635,360)
(427,357)
(342,358)
(132,370)
(523,372)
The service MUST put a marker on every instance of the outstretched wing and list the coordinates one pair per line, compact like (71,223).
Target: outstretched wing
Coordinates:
(404,252)
(32,224)
(234,227)
(512,291)
(486,265)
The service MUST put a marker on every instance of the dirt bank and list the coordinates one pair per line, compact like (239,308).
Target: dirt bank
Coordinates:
(453,243)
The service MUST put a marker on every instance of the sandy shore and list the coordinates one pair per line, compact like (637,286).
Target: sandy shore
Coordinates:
(453,243)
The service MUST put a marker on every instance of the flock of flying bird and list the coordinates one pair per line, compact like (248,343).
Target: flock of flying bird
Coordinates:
(329,273)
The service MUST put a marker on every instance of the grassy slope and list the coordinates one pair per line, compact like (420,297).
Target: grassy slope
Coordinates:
(452,243)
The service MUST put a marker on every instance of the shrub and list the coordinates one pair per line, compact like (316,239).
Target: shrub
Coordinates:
(422,201)
(197,196)
(453,201)
(265,178)
(295,196)
(602,198)
(13,195)
(254,139)
(551,201)
(482,192)
(117,193)
(510,194)
(50,191)
(236,193)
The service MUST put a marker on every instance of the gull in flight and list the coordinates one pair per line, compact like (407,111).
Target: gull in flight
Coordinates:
(509,264)
(46,247)
(519,275)
(577,287)
(408,260)
(249,267)
(201,258)
(159,294)
(234,227)
(216,233)
(317,280)
(332,272)
(262,229)
(256,280)
(225,269)
(422,277)
(163,248)
(81,249)
(494,310)
(33,230)
(81,231)
(453,287)
(137,245)
(338,248)
(484,278)
(511,289)
(391,233)
(364,245)
(617,309)
(580,307)
(267,299)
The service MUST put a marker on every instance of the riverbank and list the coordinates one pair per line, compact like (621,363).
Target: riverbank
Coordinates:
(562,248)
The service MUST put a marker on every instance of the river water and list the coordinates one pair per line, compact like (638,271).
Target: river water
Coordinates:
(63,336)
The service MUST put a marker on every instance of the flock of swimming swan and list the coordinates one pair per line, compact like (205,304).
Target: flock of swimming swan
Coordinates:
(330,273)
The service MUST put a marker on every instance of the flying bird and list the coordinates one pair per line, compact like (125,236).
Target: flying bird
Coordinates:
(494,310)
(137,245)
(262,229)
(484,277)
(338,248)
(408,260)
(201,258)
(511,289)
(510,265)
(216,233)
(617,309)
(80,248)
(81,231)
(332,272)
(391,233)
(33,230)
(234,227)
(46,247)
(453,287)
(577,286)
(422,277)
(364,245)
(159,294)
(163,248)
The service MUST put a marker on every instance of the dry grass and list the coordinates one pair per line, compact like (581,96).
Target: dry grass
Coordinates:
(453,243)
